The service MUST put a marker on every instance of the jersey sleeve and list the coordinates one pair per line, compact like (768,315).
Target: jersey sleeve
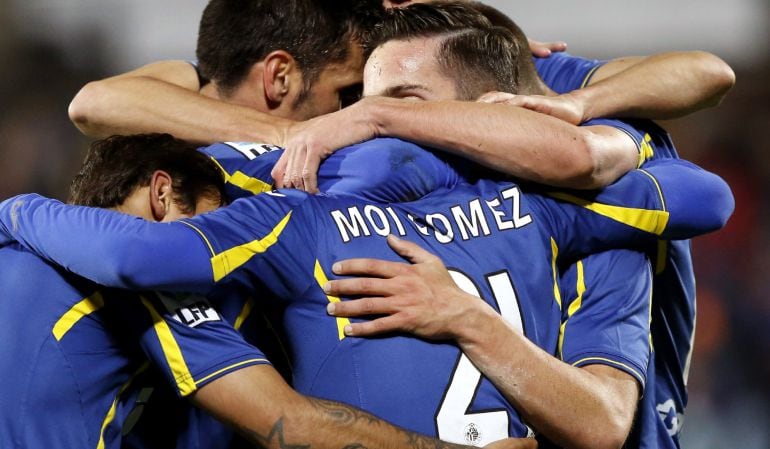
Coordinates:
(108,247)
(669,199)
(564,73)
(605,319)
(191,343)
(383,170)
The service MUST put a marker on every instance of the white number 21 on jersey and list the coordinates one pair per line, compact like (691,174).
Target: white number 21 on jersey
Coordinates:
(454,422)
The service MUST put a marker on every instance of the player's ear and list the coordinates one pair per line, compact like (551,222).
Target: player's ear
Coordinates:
(161,194)
(281,76)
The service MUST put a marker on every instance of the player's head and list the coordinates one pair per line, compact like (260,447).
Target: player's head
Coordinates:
(441,51)
(291,58)
(404,3)
(154,176)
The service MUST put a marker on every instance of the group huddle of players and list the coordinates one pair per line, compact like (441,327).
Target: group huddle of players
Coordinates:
(492,259)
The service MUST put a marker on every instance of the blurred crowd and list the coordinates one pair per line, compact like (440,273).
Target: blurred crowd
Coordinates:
(40,151)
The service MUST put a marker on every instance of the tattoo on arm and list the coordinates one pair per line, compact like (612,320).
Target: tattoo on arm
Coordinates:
(358,423)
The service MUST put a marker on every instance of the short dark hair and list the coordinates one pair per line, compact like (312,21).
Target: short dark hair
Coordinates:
(236,34)
(476,55)
(114,167)
(529,79)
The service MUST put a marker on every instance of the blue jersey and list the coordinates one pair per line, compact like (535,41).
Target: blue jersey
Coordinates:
(673,311)
(74,354)
(284,243)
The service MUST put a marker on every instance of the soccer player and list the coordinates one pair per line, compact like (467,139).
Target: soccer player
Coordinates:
(673,311)
(283,244)
(74,353)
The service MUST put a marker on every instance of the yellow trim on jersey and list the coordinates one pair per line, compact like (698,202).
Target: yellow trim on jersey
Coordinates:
(661,257)
(227,368)
(574,306)
(634,372)
(321,278)
(203,236)
(244,181)
(588,77)
(646,152)
(83,308)
(228,261)
(174,358)
(113,408)
(554,256)
(657,186)
(653,221)
(245,312)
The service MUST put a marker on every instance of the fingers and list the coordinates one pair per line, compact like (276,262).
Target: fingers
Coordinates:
(362,307)
(293,175)
(369,267)
(390,323)
(361,286)
(279,170)
(410,251)
(545,49)
(310,173)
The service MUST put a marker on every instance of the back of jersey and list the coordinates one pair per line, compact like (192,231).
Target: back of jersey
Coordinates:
(51,346)
(487,237)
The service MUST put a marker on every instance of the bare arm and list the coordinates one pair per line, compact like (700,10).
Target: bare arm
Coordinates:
(509,139)
(257,402)
(663,86)
(164,97)
(575,407)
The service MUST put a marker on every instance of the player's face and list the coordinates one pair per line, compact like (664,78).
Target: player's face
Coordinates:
(338,85)
(407,69)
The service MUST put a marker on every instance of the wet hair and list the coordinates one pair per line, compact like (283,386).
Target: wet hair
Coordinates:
(236,34)
(476,55)
(116,166)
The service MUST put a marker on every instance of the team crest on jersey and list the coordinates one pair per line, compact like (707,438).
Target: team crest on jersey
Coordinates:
(472,434)
(190,310)
(250,149)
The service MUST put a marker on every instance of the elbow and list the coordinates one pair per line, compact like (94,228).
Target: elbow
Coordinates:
(718,75)
(83,110)
(721,205)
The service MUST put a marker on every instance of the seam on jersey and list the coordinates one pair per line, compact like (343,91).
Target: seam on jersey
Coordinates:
(554,256)
(661,257)
(604,360)
(647,220)
(111,412)
(230,260)
(244,313)
(243,181)
(171,351)
(574,306)
(321,279)
(232,367)
(80,310)
(203,236)
(657,186)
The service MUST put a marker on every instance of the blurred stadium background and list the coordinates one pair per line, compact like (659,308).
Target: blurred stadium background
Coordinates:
(50,48)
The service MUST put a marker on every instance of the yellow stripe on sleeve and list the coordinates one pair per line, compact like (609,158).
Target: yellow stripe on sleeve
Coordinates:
(588,77)
(574,306)
(245,312)
(113,408)
(646,152)
(229,368)
(174,358)
(82,309)
(321,278)
(554,256)
(634,372)
(244,181)
(653,221)
(228,261)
